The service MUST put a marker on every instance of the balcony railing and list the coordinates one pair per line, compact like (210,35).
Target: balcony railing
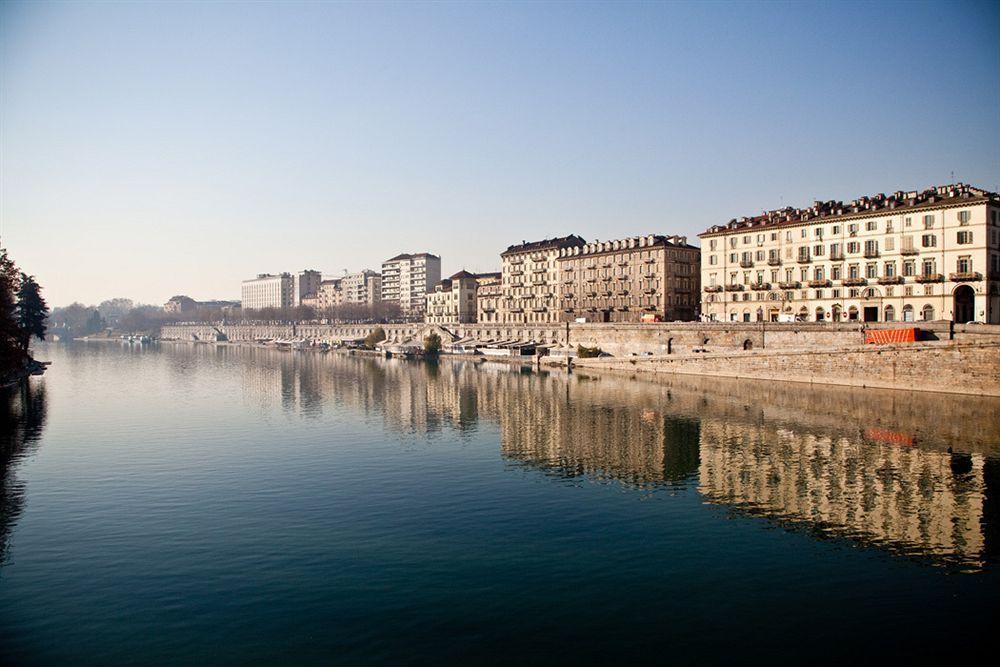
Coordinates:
(713,288)
(930,278)
(820,283)
(890,280)
(855,282)
(836,256)
(909,251)
(760,286)
(804,259)
(965,276)
(790,284)
(871,253)
(774,261)
(734,287)
(746,263)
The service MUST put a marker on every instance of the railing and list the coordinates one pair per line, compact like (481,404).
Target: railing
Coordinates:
(890,280)
(734,287)
(760,286)
(774,261)
(820,283)
(930,278)
(909,251)
(746,263)
(804,259)
(794,284)
(854,282)
(713,288)
(836,256)
(965,276)
(871,253)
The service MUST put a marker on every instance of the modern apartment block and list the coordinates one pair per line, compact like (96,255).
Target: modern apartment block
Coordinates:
(406,280)
(362,287)
(626,279)
(453,300)
(306,283)
(530,281)
(907,256)
(489,293)
(268,291)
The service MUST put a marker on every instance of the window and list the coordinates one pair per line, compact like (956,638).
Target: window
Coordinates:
(853,271)
(928,221)
(890,243)
(890,269)
(836,229)
(760,239)
(965,237)
(818,232)
(819,294)
(871,270)
(963,217)
(746,240)
(805,232)
(711,244)
(835,273)
(760,255)
(909,268)
(890,313)
(852,229)
(871,248)
(907,222)
(818,273)
(732,258)
(774,236)
(929,240)
(928,313)
(711,259)
(732,241)
(853,246)
(964,264)
(818,250)
(835,293)
(871,226)
(928,267)
(788,235)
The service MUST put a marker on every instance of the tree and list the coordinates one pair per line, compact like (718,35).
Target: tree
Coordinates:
(432,344)
(374,338)
(10,351)
(31,311)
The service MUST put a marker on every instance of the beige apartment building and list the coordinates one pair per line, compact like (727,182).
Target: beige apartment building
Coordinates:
(530,281)
(328,295)
(489,293)
(362,287)
(268,291)
(908,256)
(453,300)
(407,279)
(626,279)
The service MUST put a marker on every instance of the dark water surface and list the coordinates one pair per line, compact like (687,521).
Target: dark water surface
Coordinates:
(224,505)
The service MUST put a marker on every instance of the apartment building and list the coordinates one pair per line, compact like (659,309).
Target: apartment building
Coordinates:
(268,290)
(362,287)
(453,300)
(328,295)
(305,283)
(406,280)
(908,256)
(530,287)
(489,293)
(626,279)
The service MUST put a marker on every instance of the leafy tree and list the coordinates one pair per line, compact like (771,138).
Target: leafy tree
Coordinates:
(432,344)
(10,351)
(31,311)
(374,338)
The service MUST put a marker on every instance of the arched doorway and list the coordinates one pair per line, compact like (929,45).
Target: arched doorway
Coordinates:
(965,304)
(907,313)
(852,314)
(836,313)
(819,314)
(890,313)
(927,313)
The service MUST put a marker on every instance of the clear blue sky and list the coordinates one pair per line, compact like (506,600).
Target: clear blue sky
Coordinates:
(158,149)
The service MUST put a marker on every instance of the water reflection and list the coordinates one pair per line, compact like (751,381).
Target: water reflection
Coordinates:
(22,418)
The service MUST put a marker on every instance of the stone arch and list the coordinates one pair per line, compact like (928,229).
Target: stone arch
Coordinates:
(889,314)
(908,313)
(964,304)
(927,312)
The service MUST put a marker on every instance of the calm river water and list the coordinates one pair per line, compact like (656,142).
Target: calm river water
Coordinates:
(223,505)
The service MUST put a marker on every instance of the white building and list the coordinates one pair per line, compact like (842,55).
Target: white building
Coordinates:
(907,256)
(407,279)
(453,300)
(268,291)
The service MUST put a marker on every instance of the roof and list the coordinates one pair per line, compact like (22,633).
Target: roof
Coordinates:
(958,194)
(545,244)
(462,274)
(407,255)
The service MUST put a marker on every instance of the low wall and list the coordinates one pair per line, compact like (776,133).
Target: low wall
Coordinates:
(617,339)
(951,367)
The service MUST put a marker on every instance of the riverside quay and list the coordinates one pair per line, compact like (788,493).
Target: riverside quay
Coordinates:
(908,256)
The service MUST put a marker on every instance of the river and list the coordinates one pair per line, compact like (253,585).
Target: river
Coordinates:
(179,504)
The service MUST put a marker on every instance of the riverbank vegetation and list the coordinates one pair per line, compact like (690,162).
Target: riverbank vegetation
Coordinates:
(23,315)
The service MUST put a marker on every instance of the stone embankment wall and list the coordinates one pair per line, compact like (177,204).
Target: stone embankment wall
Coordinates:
(615,339)
(947,366)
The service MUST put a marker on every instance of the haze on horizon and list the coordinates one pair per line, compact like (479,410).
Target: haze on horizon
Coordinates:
(148,150)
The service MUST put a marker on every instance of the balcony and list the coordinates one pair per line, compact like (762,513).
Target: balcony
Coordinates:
(890,280)
(711,289)
(871,254)
(774,261)
(909,251)
(734,287)
(804,259)
(820,283)
(836,256)
(760,286)
(930,278)
(965,276)
(792,284)
(746,264)
(855,282)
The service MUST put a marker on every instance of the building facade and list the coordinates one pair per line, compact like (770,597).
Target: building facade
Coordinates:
(180,304)
(627,279)
(328,295)
(407,279)
(489,292)
(530,287)
(908,256)
(306,283)
(453,300)
(268,291)
(362,287)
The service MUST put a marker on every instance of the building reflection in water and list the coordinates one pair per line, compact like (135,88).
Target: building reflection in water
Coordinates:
(22,418)
(873,467)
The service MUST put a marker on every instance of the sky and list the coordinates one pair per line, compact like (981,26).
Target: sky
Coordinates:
(154,149)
